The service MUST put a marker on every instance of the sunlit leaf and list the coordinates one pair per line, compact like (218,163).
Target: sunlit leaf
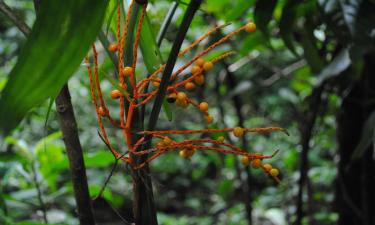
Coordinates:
(55,48)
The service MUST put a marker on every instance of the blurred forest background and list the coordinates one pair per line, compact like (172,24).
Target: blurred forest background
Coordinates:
(309,68)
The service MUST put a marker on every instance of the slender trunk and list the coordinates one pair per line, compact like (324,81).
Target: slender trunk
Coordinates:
(355,198)
(308,118)
(75,155)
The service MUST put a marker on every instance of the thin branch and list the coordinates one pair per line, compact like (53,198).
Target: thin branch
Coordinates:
(8,12)
(166,22)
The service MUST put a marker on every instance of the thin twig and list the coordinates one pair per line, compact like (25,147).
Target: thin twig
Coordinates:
(7,11)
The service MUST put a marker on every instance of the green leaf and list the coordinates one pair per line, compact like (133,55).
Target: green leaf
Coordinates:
(151,55)
(55,48)
(367,137)
(286,24)
(340,63)
(263,14)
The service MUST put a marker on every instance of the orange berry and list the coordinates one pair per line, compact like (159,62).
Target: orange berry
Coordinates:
(245,160)
(127,71)
(123,86)
(190,86)
(238,131)
(101,111)
(171,97)
(115,94)
(199,79)
(182,103)
(203,106)
(207,66)
(167,141)
(256,163)
(181,96)
(250,27)
(209,119)
(274,172)
(184,153)
(200,62)
(195,69)
(220,139)
(156,82)
(267,167)
(112,47)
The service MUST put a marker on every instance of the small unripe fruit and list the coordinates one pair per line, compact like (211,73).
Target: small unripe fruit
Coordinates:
(190,86)
(245,160)
(274,172)
(115,94)
(167,141)
(199,79)
(195,69)
(182,103)
(238,131)
(123,86)
(112,47)
(256,163)
(181,96)
(209,119)
(203,106)
(200,62)
(127,71)
(101,111)
(207,66)
(156,82)
(172,97)
(250,27)
(220,139)
(184,153)
(267,167)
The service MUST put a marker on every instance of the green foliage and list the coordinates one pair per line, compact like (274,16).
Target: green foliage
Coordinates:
(54,50)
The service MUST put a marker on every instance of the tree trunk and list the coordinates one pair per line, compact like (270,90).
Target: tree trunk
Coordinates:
(355,196)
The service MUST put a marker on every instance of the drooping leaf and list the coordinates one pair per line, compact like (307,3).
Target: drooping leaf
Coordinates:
(263,14)
(152,56)
(340,63)
(54,49)
(353,22)
(367,137)
(286,24)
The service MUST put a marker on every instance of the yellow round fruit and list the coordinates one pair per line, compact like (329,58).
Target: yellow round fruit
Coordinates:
(274,172)
(238,131)
(190,86)
(127,71)
(256,163)
(250,27)
(195,69)
(209,119)
(112,47)
(220,139)
(181,96)
(245,160)
(200,62)
(267,167)
(115,94)
(203,106)
(207,66)
(199,79)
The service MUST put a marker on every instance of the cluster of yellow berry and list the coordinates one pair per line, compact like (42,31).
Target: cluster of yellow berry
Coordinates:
(177,93)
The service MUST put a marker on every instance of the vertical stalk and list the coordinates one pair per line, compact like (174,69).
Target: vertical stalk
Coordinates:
(75,155)
(144,207)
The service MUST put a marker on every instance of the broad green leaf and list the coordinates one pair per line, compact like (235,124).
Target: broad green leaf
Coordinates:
(151,55)
(286,24)
(367,137)
(263,14)
(340,63)
(54,49)
(353,22)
